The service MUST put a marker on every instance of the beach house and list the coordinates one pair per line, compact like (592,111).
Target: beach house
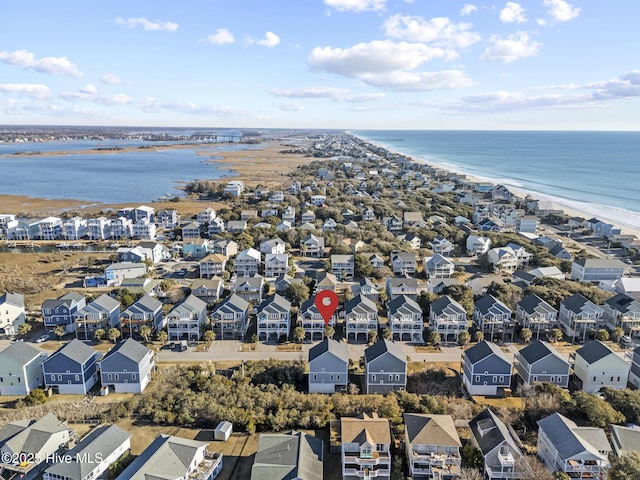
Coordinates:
(20,369)
(486,369)
(540,362)
(365,447)
(385,367)
(328,367)
(72,369)
(595,366)
(126,368)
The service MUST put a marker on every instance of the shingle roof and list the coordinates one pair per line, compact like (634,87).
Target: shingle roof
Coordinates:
(103,440)
(339,349)
(489,431)
(594,351)
(431,430)
(533,303)
(33,437)
(403,302)
(129,348)
(167,457)
(482,350)
(76,350)
(560,432)
(446,305)
(490,304)
(290,456)
(536,351)
(21,352)
(383,346)
(372,427)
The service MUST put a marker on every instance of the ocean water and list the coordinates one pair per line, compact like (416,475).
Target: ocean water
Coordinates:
(114,177)
(594,172)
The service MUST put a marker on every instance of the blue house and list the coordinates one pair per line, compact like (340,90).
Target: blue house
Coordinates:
(72,369)
(60,311)
(126,368)
(487,371)
(102,313)
(146,311)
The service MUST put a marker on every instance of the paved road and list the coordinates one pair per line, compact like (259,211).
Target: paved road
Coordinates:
(231,350)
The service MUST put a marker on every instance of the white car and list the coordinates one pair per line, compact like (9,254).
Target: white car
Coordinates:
(626,340)
(42,338)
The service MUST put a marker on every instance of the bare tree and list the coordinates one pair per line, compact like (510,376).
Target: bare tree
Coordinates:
(468,473)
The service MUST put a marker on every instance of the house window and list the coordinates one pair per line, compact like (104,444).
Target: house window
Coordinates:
(501,379)
(331,377)
(109,376)
(535,378)
(397,378)
(59,378)
(373,377)
(133,376)
(315,376)
(53,377)
(594,379)
(495,379)
(390,377)
(116,376)
(477,378)
(338,377)
(77,378)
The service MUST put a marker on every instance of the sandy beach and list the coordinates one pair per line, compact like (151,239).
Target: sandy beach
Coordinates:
(629,224)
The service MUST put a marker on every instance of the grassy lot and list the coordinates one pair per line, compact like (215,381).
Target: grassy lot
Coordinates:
(289,347)
(450,368)
(511,402)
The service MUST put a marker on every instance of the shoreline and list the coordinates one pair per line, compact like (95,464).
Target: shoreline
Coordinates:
(574,208)
(253,165)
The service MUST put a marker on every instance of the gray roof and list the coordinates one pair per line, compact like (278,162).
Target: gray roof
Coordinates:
(490,304)
(404,303)
(627,438)
(600,263)
(534,304)
(395,282)
(561,433)
(67,299)
(103,440)
(594,351)
(536,351)
(275,303)
(360,302)
(482,350)
(575,302)
(188,305)
(16,299)
(431,430)
(146,304)
(289,456)
(234,303)
(336,348)
(489,432)
(33,437)
(101,304)
(383,346)
(447,305)
(21,352)
(75,350)
(167,458)
(622,303)
(128,348)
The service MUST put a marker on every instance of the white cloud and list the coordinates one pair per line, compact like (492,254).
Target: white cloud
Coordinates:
(336,94)
(590,95)
(356,5)
(291,107)
(439,30)
(33,90)
(507,50)
(310,92)
(148,25)
(561,11)
(375,57)
(51,65)
(512,13)
(221,37)
(117,99)
(468,9)
(153,105)
(89,89)
(270,40)
(419,81)
(110,79)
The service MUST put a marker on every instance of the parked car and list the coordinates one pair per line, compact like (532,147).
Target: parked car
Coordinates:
(42,338)
(626,340)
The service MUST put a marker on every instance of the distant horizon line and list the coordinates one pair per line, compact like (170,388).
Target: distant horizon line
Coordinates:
(5,126)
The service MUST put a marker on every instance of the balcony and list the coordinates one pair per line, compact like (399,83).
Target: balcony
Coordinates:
(506,459)
(209,468)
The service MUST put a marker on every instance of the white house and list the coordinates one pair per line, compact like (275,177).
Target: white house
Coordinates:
(597,366)
(12,313)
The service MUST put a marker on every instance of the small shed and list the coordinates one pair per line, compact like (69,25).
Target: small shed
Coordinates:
(223,431)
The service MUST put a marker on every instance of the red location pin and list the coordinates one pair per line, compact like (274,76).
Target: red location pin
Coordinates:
(326,302)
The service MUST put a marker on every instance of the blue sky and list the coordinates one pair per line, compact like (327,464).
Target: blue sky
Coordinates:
(345,64)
